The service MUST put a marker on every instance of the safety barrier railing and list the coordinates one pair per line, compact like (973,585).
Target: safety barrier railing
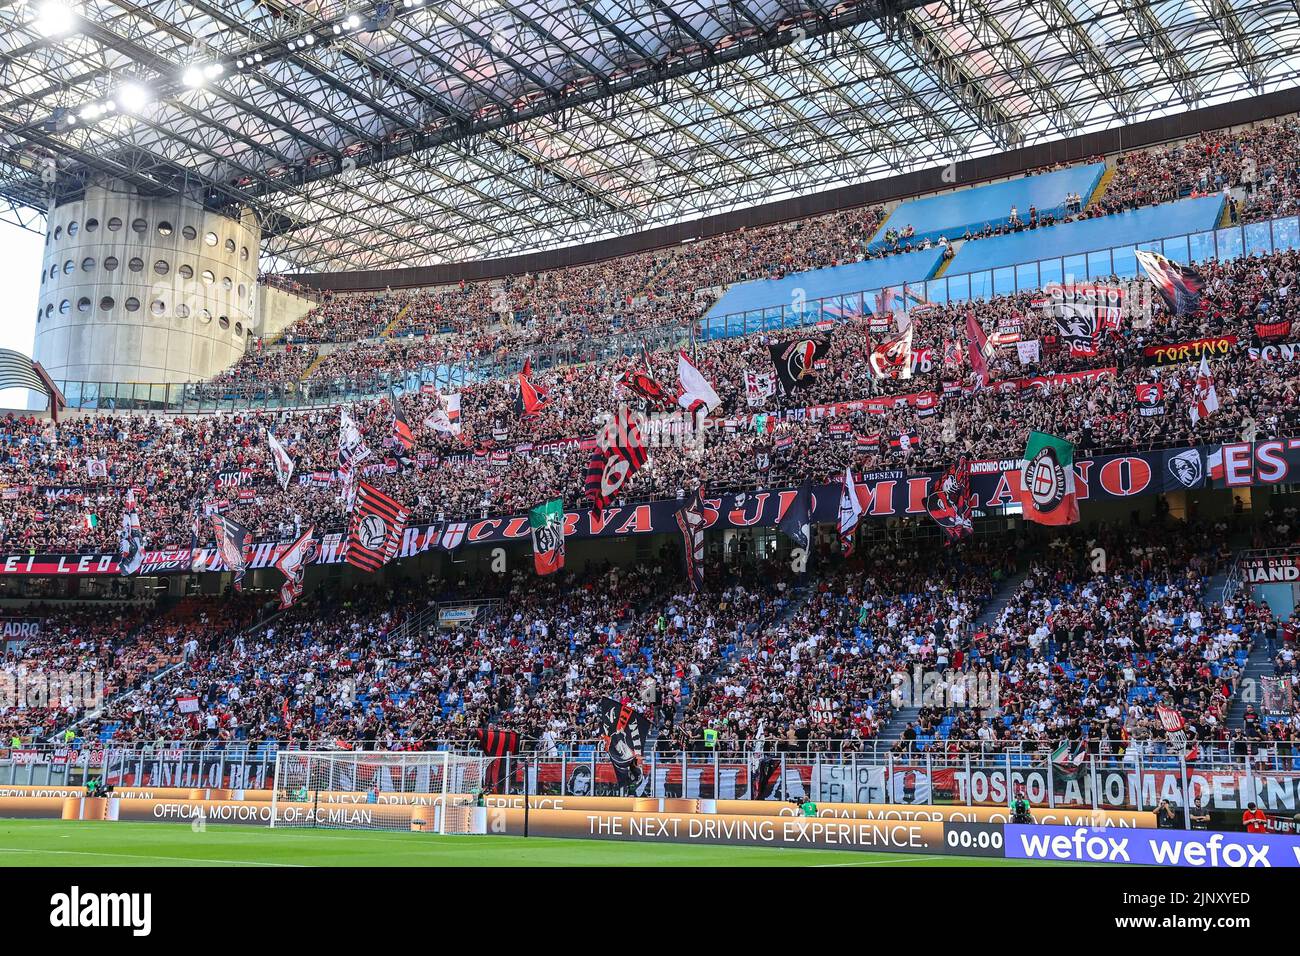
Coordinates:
(1135,781)
(1210,752)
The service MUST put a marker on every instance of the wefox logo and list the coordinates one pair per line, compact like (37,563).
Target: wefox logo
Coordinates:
(1177,848)
(75,909)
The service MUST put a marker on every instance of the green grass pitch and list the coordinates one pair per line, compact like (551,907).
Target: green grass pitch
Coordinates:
(78,844)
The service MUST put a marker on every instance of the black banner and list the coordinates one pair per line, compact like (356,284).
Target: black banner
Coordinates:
(883,495)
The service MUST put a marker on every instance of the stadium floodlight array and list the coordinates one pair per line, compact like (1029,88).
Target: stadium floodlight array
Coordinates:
(427,791)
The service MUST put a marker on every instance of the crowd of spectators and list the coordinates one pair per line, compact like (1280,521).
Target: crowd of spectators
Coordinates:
(87,654)
(58,499)
(1262,161)
(1084,656)
(1077,654)
(366,665)
(372,335)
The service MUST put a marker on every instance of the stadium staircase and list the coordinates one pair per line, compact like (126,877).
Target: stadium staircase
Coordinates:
(182,610)
(1102,185)
(1258,666)
(388,329)
(668,263)
(315,364)
(1258,663)
(955,245)
(798,598)
(892,732)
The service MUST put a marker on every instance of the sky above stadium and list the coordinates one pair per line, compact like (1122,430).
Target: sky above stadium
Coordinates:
(20,270)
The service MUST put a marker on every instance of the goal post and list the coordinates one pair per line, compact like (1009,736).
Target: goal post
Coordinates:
(433,791)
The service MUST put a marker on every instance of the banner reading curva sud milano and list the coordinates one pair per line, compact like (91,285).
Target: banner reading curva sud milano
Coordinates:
(883,494)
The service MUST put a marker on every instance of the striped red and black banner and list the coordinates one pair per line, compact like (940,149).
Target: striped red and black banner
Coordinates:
(497,743)
(619,454)
(401,427)
(376,529)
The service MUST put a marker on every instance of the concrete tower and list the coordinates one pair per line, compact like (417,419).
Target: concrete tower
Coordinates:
(145,290)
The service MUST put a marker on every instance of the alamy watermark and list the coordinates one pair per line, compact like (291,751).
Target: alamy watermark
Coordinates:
(32,689)
(947,689)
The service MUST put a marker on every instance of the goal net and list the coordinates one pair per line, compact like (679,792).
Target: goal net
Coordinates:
(427,791)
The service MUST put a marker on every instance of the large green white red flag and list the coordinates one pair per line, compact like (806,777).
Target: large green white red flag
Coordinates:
(547,524)
(1047,487)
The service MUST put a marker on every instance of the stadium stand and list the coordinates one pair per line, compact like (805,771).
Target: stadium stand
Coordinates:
(755,647)
(987,209)
(1132,227)
(758,295)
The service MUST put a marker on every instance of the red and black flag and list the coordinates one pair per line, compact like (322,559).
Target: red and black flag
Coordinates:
(1150,398)
(376,529)
(892,358)
(796,522)
(231,538)
(690,519)
(798,361)
(624,731)
(641,381)
(496,744)
(293,565)
(402,433)
(949,502)
(532,398)
(1179,285)
(619,453)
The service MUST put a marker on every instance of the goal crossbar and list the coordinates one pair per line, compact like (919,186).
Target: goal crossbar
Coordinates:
(425,791)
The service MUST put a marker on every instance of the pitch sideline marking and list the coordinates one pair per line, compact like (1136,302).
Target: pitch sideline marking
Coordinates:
(145,856)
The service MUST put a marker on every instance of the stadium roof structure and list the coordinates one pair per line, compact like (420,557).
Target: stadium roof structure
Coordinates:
(424,131)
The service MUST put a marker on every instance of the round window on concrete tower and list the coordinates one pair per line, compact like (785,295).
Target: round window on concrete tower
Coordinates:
(106,303)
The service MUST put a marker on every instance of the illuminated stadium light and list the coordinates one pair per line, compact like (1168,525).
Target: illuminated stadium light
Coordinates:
(213,70)
(352,22)
(193,77)
(54,19)
(132,97)
(309,39)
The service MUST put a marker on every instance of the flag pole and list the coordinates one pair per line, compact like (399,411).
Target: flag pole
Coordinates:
(526,800)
